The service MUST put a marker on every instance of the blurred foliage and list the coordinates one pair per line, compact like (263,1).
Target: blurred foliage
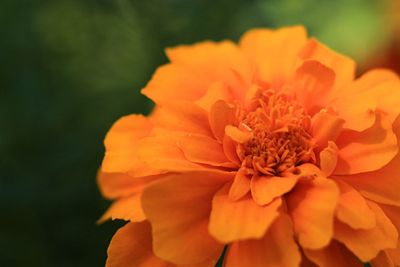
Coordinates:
(70,68)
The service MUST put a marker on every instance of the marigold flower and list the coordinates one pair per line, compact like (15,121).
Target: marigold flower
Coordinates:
(270,147)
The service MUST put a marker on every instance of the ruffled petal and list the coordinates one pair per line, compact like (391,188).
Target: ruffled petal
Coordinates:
(274,52)
(353,209)
(277,248)
(343,66)
(368,150)
(312,204)
(204,150)
(334,255)
(212,62)
(178,208)
(366,244)
(376,89)
(242,219)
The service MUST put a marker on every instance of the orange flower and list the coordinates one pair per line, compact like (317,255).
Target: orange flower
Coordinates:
(270,147)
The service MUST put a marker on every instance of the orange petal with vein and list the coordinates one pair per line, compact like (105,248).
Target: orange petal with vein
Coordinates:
(242,219)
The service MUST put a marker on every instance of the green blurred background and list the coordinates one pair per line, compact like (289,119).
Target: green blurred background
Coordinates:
(70,68)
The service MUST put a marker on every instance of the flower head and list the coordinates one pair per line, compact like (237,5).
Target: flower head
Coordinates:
(270,147)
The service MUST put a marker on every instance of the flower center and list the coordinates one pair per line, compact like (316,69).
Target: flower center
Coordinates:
(279,139)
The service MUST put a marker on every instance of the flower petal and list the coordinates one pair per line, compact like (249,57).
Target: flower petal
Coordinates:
(184,117)
(229,147)
(116,185)
(353,209)
(213,61)
(384,259)
(172,81)
(221,115)
(274,52)
(127,208)
(382,186)
(204,150)
(368,150)
(120,155)
(242,219)
(163,154)
(178,208)
(131,246)
(334,255)
(277,248)
(312,205)
(216,91)
(312,84)
(343,67)
(240,186)
(325,127)
(375,89)
(366,244)
(265,189)
(358,114)
(328,158)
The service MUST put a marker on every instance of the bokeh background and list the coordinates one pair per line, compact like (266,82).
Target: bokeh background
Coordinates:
(70,68)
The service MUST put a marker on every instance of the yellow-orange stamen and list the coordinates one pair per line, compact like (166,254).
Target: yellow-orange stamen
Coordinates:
(280,135)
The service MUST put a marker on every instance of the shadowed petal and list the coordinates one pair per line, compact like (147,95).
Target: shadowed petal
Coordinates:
(277,248)
(366,244)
